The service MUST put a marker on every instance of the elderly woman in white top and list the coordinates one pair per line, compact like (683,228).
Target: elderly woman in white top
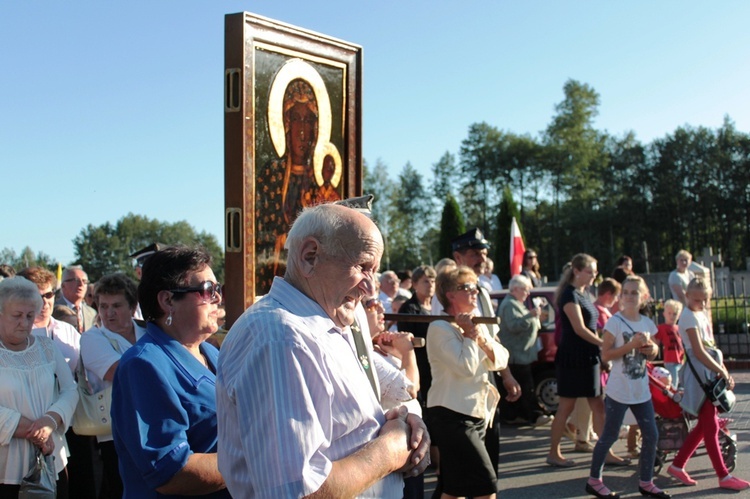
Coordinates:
(462,400)
(37,393)
(116,297)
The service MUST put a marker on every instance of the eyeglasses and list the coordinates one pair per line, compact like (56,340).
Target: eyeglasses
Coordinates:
(209,291)
(467,286)
(530,257)
(77,280)
(372,303)
(48,295)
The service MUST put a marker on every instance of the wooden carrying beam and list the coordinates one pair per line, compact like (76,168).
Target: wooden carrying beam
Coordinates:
(431,318)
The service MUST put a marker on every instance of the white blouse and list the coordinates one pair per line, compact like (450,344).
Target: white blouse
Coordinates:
(34,381)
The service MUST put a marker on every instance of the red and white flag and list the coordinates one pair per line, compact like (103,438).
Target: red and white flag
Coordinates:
(517,249)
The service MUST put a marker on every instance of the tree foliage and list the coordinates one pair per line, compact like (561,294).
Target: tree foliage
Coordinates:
(451,226)
(26,258)
(106,248)
(582,189)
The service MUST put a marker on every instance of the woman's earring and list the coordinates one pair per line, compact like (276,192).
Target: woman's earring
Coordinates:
(169,319)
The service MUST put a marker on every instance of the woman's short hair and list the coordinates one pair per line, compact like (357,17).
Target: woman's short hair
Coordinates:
(6,271)
(116,284)
(168,269)
(445,262)
(519,281)
(683,253)
(421,271)
(39,276)
(447,280)
(19,289)
(61,312)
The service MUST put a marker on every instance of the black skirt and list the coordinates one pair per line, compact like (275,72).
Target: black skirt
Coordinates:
(578,375)
(465,466)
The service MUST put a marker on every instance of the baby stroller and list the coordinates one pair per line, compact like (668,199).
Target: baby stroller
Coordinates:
(673,424)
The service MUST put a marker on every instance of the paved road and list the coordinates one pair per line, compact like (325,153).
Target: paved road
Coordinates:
(524,474)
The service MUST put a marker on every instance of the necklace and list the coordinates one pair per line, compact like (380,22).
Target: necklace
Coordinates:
(28,342)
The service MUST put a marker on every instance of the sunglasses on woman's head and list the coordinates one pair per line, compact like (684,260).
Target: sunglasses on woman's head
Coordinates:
(209,291)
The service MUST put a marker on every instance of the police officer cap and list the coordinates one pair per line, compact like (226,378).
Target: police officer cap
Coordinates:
(471,239)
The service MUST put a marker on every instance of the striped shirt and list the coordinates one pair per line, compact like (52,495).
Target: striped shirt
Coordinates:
(292,398)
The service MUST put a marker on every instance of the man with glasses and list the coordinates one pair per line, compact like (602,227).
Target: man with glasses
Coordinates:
(73,290)
(297,415)
(470,249)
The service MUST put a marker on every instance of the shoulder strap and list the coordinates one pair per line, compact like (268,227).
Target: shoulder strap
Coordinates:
(112,342)
(624,321)
(695,373)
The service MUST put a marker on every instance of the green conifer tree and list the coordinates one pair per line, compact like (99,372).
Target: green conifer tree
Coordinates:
(451,225)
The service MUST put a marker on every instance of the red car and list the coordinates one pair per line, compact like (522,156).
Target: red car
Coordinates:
(545,382)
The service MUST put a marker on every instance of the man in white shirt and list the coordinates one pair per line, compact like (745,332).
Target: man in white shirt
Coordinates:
(297,415)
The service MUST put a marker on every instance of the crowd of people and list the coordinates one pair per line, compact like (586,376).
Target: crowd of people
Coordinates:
(314,394)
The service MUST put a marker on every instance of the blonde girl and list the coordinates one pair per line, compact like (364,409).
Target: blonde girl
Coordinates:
(626,342)
(700,349)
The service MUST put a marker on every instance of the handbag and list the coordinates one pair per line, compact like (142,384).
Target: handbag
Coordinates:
(41,481)
(717,391)
(92,415)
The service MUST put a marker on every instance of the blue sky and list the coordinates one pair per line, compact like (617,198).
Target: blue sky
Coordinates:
(113,107)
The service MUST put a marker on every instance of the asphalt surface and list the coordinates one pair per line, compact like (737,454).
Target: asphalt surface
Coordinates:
(524,473)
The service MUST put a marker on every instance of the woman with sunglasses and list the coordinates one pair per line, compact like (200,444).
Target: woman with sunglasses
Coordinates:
(163,397)
(531,268)
(400,385)
(462,399)
(116,298)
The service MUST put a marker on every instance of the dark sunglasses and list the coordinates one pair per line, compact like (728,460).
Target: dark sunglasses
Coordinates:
(372,303)
(48,295)
(468,286)
(209,291)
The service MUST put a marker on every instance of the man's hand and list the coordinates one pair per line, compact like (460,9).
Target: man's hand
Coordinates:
(417,440)
(511,386)
(420,441)
(398,434)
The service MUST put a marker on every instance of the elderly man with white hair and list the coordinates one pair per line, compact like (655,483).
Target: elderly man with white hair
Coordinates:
(297,416)
(519,327)
(389,282)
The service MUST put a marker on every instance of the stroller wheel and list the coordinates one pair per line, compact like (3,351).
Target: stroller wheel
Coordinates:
(729,452)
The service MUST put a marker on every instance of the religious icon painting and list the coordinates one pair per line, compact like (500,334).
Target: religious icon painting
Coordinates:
(292,120)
